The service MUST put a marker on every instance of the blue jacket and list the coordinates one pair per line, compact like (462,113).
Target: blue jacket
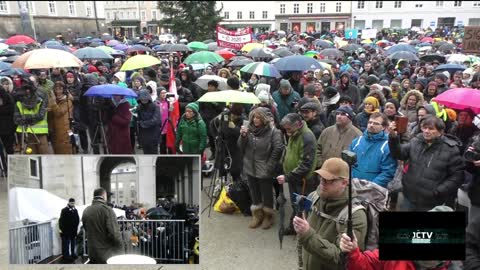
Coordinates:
(374,161)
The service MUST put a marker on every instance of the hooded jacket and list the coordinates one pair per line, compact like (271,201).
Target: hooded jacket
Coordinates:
(30,102)
(118,132)
(411,113)
(284,103)
(7,108)
(349,89)
(374,160)
(59,124)
(192,132)
(148,120)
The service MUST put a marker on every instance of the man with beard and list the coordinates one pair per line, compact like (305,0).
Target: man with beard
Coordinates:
(368,69)
(311,114)
(390,74)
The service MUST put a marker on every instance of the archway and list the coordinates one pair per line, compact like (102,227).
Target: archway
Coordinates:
(107,165)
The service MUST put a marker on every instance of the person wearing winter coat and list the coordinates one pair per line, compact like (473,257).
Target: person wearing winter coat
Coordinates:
(118,129)
(7,126)
(374,160)
(389,75)
(285,98)
(346,87)
(435,166)
(472,260)
(430,92)
(68,225)
(59,120)
(165,107)
(311,114)
(371,105)
(74,87)
(148,121)
(191,132)
(261,145)
(184,96)
(410,103)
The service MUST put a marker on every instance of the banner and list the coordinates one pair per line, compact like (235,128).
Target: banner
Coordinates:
(471,39)
(351,33)
(369,33)
(233,39)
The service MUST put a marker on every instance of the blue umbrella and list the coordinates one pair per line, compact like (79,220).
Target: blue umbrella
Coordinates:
(96,40)
(400,47)
(121,47)
(91,53)
(140,48)
(52,42)
(107,90)
(58,47)
(4,65)
(451,68)
(424,44)
(14,71)
(82,40)
(297,63)
(96,44)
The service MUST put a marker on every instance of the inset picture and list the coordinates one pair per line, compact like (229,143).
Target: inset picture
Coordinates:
(104,209)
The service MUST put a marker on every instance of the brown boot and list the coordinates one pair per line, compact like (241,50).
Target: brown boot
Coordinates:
(268,218)
(257,216)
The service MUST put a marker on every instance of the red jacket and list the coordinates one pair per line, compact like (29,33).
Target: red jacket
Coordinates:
(369,260)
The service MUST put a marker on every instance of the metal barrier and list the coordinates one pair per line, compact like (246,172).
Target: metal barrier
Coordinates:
(31,243)
(163,240)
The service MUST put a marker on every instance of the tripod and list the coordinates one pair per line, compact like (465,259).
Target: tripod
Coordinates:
(100,131)
(25,138)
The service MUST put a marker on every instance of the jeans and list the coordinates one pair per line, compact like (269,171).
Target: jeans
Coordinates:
(68,246)
(261,191)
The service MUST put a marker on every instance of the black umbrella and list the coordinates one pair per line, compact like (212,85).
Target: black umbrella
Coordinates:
(403,55)
(82,40)
(322,44)
(9,53)
(282,52)
(415,42)
(96,44)
(451,68)
(209,41)
(350,47)
(328,61)
(431,57)
(162,47)
(240,62)
(399,48)
(14,71)
(261,53)
(447,47)
(155,42)
(331,52)
(179,48)
(158,213)
(438,44)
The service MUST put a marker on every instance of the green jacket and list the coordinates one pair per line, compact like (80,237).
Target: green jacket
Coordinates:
(47,87)
(103,231)
(300,156)
(320,244)
(193,135)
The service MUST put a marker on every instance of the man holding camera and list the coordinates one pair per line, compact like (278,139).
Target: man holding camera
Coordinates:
(318,235)
(286,98)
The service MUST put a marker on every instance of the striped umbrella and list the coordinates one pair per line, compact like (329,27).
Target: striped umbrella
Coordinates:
(262,69)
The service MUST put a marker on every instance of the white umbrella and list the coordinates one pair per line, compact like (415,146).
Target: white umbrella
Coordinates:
(457,58)
(203,82)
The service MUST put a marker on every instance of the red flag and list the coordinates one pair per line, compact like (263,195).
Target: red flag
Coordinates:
(174,115)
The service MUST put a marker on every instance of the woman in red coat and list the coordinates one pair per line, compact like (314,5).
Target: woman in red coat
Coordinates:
(118,131)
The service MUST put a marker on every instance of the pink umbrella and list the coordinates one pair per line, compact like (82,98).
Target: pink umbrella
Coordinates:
(427,39)
(460,99)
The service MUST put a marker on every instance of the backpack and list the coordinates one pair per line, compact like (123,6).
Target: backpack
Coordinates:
(239,193)
(370,197)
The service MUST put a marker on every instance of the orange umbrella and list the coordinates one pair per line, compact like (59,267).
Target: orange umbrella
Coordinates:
(46,58)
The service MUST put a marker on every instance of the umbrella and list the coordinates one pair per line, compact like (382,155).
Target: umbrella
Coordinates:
(230,96)
(226,54)
(446,47)
(240,62)
(331,52)
(209,41)
(203,57)
(82,40)
(327,61)
(138,48)
(158,213)
(19,39)
(4,65)
(106,49)
(437,45)
(179,48)
(457,58)
(183,41)
(424,49)
(121,47)
(460,99)
(52,42)
(424,44)
(261,53)
(140,61)
(107,90)
(46,58)
(162,47)
(414,42)
(432,57)
(9,53)
(311,54)
(14,71)
(96,44)
(117,52)
(58,47)
(91,53)
(282,52)
(250,46)
(382,43)
(297,63)
(451,68)
(113,42)
(197,46)
(96,40)
(405,55)
(155,42)
(367,41)
(107,37)
(427,39)
(203,82)
(281,200)
(322,43)
(400,47)
(3,46)
(350,47)
(262,69)
(9,59)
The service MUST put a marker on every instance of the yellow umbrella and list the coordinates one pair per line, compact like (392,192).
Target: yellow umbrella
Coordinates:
(367,41)
(46,58)
(139,61)
(250,46)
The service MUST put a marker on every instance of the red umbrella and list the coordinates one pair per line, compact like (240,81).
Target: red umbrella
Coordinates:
(19,39)
(225,54)
(427,39)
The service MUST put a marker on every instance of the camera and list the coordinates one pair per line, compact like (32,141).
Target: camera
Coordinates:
(170,95)
(473,155)
(303,203)
(349,157)
(294,103)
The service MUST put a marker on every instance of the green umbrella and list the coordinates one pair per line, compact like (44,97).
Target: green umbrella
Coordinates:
(230,96)
(197,46)
(203,57)
(106,49)
(311,53)
(140,61)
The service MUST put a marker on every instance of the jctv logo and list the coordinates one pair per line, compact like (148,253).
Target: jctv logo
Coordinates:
(422,237)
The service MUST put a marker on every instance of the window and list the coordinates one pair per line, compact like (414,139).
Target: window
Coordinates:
(282,8)
(88,7)
(154,15)
(4,7)
(439,3)
(379,4)
(296,8)
(359,24)
(396,24)
(120,185)
(322,7)
(71,8)
(52,8)
(252,14)
(416,23)
(226,15)
(476,4)
(397,4)
(418,5)
(338,7)
(361,4)
(239,15)
(457,3)
(264,14)
(309,8)
(474,22)
(34,170)
(143,14)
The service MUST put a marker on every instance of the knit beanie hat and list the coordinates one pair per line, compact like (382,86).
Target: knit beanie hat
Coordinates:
(347,110)
(263,96)
(373,101)
(193,106)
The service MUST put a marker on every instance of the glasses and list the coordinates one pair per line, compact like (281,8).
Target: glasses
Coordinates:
(374,123)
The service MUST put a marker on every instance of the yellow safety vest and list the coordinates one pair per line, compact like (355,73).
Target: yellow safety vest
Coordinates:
(41,127)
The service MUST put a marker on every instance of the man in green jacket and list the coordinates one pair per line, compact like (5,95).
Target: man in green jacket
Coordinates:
(318,235)
(101,227)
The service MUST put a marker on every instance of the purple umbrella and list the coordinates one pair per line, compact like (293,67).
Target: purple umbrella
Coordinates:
(121,47)
(113,43)
(107,90)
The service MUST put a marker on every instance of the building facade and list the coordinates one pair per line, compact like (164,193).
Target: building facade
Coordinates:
(312,16)
(134,18)
(408,14)
(47,19)
(239,14)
